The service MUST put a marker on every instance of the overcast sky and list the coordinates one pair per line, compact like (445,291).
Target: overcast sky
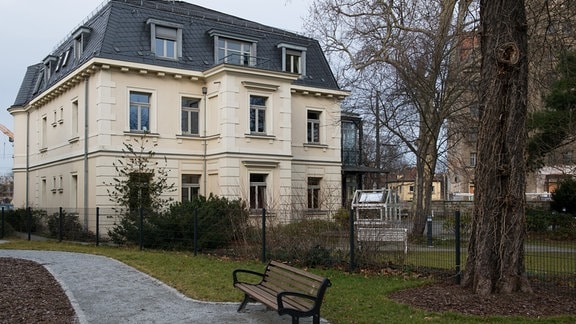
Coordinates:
(30,29)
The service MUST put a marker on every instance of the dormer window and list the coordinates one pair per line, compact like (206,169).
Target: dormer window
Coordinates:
(50,63)
(233,49)
(293,58)
(165,39)
(80,37)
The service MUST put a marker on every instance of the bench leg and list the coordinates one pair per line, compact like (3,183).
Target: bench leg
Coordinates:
(316,319)
(295,320)
(244,303)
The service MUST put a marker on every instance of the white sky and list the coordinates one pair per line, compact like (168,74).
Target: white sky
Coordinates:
(30,29)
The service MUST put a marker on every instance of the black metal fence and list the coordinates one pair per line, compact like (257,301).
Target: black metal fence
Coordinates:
(550,248)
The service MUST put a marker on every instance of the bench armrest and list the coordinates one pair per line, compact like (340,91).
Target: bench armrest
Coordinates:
(235,274)
(286,310)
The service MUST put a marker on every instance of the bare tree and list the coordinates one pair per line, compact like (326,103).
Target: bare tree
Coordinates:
(404,50)
(495,261)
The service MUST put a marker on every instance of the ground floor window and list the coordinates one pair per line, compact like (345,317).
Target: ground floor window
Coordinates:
(257,191)
(313,193)
(190,186)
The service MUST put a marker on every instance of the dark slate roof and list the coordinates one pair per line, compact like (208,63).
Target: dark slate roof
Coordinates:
(119,31)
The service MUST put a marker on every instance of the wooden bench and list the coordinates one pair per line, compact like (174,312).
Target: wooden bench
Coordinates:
(383,234)
(284,289)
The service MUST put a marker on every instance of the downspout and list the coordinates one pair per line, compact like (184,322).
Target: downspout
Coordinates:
(27,159)
(86,153)
(204,92)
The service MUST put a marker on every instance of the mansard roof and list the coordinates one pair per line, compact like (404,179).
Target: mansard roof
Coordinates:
(120,30)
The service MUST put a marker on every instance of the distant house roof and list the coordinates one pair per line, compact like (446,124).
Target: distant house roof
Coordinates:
(120,30)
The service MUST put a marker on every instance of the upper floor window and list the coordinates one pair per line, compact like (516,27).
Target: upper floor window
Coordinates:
(293,58)
(233,49)
(258,114)
(313,133)
(80,36)
(139,111)
(473,157)
(190,116)
(165,39)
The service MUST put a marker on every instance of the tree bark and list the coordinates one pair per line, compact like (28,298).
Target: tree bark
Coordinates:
(495,261)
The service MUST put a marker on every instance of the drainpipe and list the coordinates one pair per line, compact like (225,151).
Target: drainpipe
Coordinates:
(27,158)
(86,153)
(204,92)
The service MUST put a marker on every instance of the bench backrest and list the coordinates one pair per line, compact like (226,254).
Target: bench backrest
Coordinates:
(280,277)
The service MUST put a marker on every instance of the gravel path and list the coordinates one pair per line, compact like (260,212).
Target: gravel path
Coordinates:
(103,290)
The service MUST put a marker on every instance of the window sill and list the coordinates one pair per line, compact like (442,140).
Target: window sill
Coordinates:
(259,135)
(140,133)
(318,145)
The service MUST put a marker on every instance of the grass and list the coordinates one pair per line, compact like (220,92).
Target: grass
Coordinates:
(353,298)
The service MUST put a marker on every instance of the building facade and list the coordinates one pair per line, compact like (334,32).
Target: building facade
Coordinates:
(236,109)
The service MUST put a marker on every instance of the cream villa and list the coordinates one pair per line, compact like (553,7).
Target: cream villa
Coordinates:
(238,109)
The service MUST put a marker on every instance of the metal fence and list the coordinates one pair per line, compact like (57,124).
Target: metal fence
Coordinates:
(550,256)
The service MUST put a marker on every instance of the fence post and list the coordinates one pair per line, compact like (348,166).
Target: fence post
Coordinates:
(457,238)
(3,223)
(140,234)
(97,226)
(429,230)
(352,248)
(60,216)
(29,222)
(263,235)
(195,231)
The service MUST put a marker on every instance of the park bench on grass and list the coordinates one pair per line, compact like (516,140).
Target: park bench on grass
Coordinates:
(284,289)
(384,234)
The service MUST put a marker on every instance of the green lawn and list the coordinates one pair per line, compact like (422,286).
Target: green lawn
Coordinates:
(353,298)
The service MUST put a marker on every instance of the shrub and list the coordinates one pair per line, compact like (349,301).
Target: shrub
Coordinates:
(564,197)
(219,222)
(70,228)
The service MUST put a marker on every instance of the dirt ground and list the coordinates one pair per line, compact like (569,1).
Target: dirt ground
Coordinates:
(30,294)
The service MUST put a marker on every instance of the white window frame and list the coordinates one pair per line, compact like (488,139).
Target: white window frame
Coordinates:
(190,112)
(311,124)
(313,193)
(223,51)
(255,109)
(191,188)
(290,51)
(150,105)
(259,188)
(165,34)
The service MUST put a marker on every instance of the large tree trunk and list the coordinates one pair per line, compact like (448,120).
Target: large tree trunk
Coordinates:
(495,261)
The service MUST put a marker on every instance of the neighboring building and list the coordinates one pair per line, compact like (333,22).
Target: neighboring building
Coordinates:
(238,109)
(403,183)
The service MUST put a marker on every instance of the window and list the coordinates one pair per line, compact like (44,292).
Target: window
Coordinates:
(258,114)
(313,127)
(75,118)
(473,159)
(165,42)
(293,58)
(139,111)
(190,116)
(234,52)
(313,193)
(44,134)
(139,194)
(165,39)
(80,35)
(257,191)
(190,186)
